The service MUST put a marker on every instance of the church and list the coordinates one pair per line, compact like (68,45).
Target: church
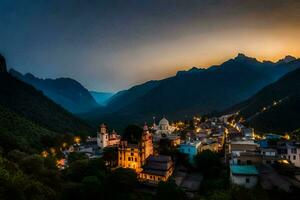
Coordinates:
(134,155)
(105,139)
(163,128)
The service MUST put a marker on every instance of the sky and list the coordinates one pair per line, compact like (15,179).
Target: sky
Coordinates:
(112,45)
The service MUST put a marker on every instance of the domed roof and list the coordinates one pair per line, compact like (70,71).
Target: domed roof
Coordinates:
(163,121)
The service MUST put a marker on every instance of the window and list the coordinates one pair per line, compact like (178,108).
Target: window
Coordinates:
(131,154)
(294,157)
(120,158)
(128,158)
(247,180)
(135,159)
(294,150)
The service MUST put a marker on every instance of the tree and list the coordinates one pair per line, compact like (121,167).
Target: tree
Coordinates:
(91,188)
(169,190)
(133,134)
(75,156)
(208,163)
(124,180)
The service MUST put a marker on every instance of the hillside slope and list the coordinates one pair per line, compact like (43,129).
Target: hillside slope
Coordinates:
(276,107)
(66,92)
(24,100)
(18,132)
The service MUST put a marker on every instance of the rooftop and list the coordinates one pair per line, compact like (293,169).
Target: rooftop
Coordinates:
(243,170)
(160,158)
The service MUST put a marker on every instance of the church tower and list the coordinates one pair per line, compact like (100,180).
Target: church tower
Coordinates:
(147,143)
(102,137)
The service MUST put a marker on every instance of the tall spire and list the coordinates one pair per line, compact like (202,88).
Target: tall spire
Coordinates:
(145,127)
(102,128)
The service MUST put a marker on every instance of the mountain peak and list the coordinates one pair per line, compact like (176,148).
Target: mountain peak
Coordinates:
(242,56)
(2,64)
(287,59)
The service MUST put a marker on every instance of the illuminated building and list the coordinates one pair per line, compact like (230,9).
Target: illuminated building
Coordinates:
(244,175)
(191,149)
(292,153)
(163,127)
(134,155)
(157,168)
(104,139)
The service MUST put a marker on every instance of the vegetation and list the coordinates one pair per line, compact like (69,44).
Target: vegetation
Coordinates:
(208,163)
(133,134)
(20,133)
(24,100)
(169,190)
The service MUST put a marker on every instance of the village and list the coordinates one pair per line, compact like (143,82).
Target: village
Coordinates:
(169,150)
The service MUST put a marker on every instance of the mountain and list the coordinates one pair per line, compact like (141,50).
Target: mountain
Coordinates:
(101,97)
(194,91)
(28,115)
(276,107)
(66,92)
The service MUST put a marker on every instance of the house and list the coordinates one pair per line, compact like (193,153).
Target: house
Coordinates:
(293,153)
(248,132)
(271,136)
(191,149)
(248,158)
(269,155)
(209,144)
(157,168)
(174,139)
(236,147)
(243,175)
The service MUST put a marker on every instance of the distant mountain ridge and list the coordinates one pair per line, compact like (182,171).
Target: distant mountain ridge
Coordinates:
(66,92)
(101,98)
(195,91)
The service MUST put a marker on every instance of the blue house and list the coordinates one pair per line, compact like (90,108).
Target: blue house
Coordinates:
(191,149)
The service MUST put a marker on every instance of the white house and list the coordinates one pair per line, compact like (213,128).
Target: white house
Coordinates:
(293,153)
(244,175)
